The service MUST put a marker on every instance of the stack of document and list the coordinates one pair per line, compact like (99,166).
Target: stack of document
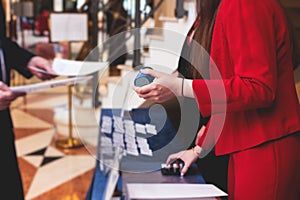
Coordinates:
(64,67)
(36,87)
(78,71)
(173,191)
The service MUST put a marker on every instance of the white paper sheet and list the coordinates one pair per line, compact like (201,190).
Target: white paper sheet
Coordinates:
(65,67)
(36,87)
(172,191)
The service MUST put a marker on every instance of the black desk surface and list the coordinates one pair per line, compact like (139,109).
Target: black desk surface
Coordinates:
(193,176)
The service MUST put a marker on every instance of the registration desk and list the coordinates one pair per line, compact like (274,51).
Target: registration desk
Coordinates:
(99,181)
(143,169)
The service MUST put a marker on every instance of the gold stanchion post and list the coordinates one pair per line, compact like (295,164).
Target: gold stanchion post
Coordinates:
(70,142)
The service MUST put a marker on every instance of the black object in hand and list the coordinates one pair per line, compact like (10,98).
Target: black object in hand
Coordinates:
(172,169)
(143,79)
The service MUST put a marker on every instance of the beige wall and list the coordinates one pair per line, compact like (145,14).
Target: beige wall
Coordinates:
(167,9)
(298,91)
(290,3)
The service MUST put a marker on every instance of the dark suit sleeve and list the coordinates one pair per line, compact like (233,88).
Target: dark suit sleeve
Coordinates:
(16,57)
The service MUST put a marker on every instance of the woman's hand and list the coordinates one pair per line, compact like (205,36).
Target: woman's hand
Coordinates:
(7,96)
(163,88)
(154,92)
(187,156)
(37,65)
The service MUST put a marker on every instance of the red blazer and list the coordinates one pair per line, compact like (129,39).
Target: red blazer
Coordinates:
(253,100)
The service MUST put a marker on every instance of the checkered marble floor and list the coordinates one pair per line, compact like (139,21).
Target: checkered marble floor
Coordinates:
(48,172)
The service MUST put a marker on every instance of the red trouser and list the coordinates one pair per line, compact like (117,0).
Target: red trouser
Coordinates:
(268,172)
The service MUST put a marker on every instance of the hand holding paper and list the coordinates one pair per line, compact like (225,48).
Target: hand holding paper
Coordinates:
(41,68)
(7,96)
(64,67)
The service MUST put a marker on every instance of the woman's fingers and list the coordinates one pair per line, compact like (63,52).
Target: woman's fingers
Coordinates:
(172,158)
(187,156)
(185,168)
(151,72)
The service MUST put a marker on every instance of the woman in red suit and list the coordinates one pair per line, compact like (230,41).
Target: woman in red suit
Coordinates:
(250,96)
